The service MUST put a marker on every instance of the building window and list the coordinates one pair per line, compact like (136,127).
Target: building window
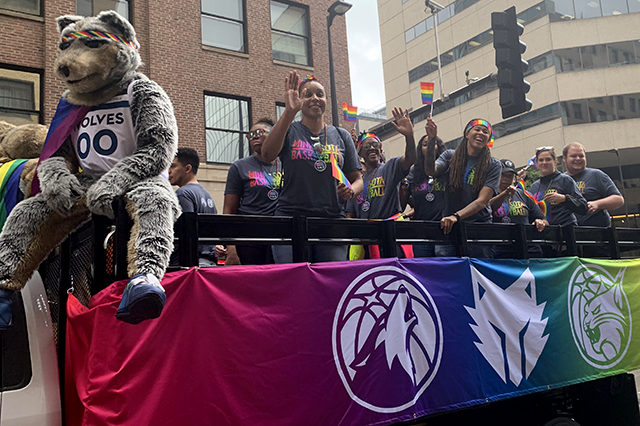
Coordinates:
(587,8)
(223,24)
(290,40)
(19,97)
(227,121)
(93,7)
(280,111)
(32,7)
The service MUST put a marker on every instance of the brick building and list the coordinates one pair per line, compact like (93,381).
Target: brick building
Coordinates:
(223,64)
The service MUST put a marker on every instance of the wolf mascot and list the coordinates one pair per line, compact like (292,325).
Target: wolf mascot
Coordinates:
(114,133)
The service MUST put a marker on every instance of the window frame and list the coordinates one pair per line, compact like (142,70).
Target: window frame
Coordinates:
(40,12)
(242,138)
(40,101)
(308,37)
(129,9)
(245,41)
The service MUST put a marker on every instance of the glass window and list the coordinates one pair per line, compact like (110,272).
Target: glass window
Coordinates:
(443,15)
(93,7)
(446,58)
(594,57)
(614,7)
(621,53)
(19,97)
(574,112)
(539,63)
(223,24)
(409,35)
(226,123)
(634,6)
(632,104)
(421,28)
(601,109)
(588,8)
(513,125)
(627,106)
(32,7)
(474,43)
(280,110)
(548,113)
(429,22)
(562,10)
(500,129)
(530,119)
(567,60)
(290,33)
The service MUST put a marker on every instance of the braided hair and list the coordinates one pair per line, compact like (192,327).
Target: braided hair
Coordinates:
(458,165)
(419,174)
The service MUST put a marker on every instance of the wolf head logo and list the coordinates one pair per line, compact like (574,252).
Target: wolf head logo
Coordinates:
(600,315)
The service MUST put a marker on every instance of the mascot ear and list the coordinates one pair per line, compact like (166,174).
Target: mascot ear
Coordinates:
(116,21)
(65,21)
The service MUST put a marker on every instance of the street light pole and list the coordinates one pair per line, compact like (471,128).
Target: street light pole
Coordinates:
(626,209)
(435,8)
(337,8)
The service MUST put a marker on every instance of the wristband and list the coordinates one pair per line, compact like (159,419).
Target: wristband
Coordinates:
(457,216)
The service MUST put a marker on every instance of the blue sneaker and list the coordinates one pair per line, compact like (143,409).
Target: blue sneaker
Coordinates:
(143,298)
(5,309)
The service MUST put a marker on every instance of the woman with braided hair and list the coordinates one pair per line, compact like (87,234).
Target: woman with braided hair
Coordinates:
(472,176)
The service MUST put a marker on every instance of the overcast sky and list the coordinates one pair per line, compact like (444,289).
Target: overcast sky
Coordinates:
(365,58)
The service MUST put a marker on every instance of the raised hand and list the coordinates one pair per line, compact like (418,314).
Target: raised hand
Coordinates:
(293,99)
(403,123)
(431,128)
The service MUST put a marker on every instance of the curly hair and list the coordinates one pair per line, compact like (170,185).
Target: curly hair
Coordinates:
(458,166)
(419,174)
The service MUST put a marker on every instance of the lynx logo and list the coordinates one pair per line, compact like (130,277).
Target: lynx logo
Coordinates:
(387,339)
(600,315)
(509,325)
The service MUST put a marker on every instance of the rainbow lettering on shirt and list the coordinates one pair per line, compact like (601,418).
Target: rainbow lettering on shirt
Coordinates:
(581,186)
(376,188)
(302,150)
(259,179)
(469,175)
(517,208)
(436,186)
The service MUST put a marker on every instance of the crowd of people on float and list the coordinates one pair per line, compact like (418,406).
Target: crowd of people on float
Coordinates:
(291,174)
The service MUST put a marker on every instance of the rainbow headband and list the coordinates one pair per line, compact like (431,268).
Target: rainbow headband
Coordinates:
(367,136)
(309,78)
(484,123)
(97,34)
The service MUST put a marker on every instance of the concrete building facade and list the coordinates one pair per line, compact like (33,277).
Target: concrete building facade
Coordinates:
(584,59)
(222,63)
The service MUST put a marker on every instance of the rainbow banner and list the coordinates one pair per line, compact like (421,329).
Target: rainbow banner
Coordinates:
(350,112)
(10,193)
(350,343)
(426,90)
(337,172)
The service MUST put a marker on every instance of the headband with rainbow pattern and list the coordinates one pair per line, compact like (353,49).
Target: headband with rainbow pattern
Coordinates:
(308,78)
(484,123)
(97,34)
(364,136)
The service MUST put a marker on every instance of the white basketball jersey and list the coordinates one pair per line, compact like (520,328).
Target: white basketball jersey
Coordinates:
(106,134)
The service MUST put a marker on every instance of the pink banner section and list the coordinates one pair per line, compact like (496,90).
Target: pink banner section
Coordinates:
(234,346)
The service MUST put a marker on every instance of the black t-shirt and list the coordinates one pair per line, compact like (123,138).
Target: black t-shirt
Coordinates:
(257,184)
(380,199)
(562,184)
(517,209)
(456,201)
(594,185)
(310,188)
(428,196)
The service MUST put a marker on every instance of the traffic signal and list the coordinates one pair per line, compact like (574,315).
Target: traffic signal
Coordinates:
(511,66)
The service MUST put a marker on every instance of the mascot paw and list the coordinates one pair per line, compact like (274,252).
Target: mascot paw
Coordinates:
(61,197)
(143,298)
(100,201)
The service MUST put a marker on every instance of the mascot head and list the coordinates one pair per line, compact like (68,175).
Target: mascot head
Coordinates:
(94,54)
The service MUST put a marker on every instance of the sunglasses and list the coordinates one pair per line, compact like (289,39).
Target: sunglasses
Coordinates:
(369,145)
(544,148)
(257,133)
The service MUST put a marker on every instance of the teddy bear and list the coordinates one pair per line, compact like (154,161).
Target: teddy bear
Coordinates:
(114,134)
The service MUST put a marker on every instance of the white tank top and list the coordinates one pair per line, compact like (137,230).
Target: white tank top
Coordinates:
(105,135)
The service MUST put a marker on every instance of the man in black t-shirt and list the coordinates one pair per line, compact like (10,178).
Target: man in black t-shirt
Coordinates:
(192,198)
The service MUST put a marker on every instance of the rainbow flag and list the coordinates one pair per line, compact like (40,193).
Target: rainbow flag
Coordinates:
(350,112)
(337,173)
(544,206)
(426,90)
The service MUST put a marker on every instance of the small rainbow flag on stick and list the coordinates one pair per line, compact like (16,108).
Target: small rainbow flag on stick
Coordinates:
(426,90)
(544,207)
(337,173)
(350,112)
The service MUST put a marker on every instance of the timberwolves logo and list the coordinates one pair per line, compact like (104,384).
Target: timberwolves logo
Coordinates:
(387,339)
(600,315)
